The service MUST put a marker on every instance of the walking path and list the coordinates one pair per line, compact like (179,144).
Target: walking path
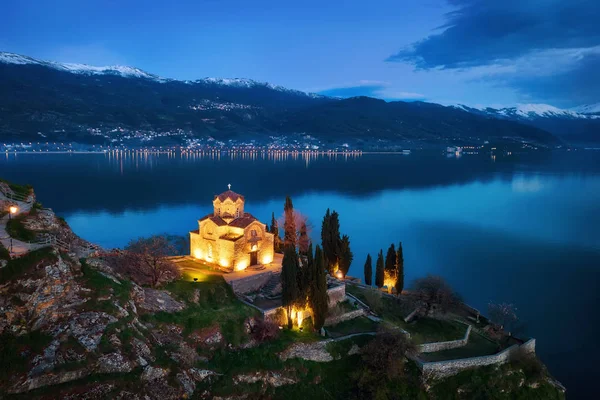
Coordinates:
(16,247)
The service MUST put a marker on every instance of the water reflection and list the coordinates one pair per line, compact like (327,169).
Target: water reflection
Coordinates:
(514,229)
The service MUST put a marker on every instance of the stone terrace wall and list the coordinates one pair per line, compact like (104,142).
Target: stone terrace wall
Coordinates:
(336,294)
(250,284)
(441,369)
(344,317)
(451,344)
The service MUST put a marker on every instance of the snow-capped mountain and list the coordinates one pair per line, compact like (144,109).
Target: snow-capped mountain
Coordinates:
(533,111)
(587,109)
(67,101)
(124,71)
(579,125)
(133,72)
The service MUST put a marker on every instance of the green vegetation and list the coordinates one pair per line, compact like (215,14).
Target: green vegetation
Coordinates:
(17,229)
(15,352)
(379,270)
(27,263)
(317,288)
(341,348)
(394,310)
(209,301)
(103,285)
(504,382)
(4,253)
(368,270)
(356,325)
(20,190)
(399,269)
(476,347)
(291,291)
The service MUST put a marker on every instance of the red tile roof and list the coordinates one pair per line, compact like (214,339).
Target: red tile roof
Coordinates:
(214,218)
(229,194)
(243,221)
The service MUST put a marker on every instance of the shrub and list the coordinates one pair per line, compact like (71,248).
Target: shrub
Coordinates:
(264,331)
(17,229)
(385,355)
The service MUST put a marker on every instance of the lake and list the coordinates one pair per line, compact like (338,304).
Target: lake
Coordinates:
(519,229)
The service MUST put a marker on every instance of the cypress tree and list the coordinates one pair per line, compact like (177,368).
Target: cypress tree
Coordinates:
(346,255)
(289,281)
(390,260)
(368,271)
(330,240)
(400,270)
(289,224)
(379,270)
(318,299)
(275,231)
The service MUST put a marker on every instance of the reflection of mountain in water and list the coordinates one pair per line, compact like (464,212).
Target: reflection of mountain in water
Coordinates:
(115,182)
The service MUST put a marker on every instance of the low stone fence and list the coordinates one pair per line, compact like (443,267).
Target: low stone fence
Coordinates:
(251,283)
(451,344)
(410,316)
(344,317)
(441,369)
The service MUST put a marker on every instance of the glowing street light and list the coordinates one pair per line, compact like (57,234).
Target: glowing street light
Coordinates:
(12,210)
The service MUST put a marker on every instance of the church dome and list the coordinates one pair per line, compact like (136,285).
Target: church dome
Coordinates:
(229,194)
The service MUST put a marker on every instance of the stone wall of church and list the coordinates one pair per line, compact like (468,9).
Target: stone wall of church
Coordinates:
(240,254)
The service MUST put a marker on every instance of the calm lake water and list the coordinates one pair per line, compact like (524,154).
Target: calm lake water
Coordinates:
(521,229)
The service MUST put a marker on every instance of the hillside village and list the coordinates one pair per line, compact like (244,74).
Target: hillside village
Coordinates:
(219,322)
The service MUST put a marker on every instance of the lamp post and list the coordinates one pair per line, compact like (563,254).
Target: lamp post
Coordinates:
(12,210)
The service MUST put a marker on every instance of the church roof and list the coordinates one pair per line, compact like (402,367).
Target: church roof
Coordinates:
(243,221)
(214,218)
(229,194)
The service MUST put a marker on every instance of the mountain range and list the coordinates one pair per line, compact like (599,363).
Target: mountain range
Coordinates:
(61,101)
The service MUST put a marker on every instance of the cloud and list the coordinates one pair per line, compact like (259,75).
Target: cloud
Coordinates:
(378,89)
(540,48)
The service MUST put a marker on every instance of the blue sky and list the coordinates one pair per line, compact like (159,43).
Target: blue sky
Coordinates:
(475,52)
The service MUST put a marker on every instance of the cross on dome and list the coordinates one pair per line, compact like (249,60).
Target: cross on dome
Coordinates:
(229,186)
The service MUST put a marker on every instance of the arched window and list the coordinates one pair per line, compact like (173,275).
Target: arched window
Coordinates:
(219,211)
(253,233)
(237,212)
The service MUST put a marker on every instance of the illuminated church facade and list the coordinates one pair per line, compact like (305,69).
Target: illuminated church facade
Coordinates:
(231,237)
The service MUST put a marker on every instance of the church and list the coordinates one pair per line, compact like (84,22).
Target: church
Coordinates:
(230,237)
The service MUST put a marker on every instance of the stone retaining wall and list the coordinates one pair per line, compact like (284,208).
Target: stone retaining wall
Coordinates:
(344,317)
(336,294)
(441,369)
(251,283)
(451,344)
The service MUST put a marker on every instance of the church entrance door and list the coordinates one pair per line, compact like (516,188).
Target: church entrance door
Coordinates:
(254,258)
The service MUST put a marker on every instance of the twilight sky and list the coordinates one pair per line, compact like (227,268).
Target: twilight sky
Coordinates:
(475,52)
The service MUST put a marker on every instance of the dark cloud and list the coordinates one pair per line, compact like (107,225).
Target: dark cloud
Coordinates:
(481,31)
(575,87)
(547,50)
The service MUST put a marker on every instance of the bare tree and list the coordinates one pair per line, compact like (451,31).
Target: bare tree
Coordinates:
(302,226)
(145,261)
(383,360)
(434,290)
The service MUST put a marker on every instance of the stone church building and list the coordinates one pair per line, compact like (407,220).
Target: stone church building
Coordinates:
(231,237)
